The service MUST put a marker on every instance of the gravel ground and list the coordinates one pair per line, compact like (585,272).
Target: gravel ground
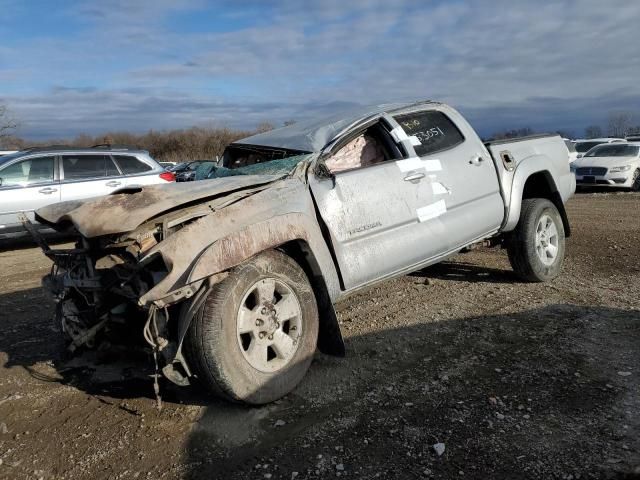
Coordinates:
(458,371)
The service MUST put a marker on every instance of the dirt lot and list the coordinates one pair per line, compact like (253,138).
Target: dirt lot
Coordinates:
(516,380)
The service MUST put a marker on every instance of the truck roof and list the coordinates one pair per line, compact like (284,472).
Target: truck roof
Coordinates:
(313,135)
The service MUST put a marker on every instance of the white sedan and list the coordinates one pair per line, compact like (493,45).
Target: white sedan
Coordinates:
(610,165)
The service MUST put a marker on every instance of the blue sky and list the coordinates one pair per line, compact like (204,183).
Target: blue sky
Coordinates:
(88,67)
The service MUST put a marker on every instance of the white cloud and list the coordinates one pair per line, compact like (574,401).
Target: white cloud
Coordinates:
(534,56)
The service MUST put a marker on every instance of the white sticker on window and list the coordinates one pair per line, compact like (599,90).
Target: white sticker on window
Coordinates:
(398,134)
(431,211)
(415,141)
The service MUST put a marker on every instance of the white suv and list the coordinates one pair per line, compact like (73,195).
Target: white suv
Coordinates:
(33,178)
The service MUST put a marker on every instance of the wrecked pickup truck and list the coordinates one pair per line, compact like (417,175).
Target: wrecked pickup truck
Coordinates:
(232,280)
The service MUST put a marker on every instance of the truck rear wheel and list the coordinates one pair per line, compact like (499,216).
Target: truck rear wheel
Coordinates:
(536,248)
(254,338)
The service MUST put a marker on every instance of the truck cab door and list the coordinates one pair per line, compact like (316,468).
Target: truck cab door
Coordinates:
(460,171)
(371,214)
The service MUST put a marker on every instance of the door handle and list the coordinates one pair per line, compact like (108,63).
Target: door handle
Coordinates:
(413,177)
(113,183)
(477,160)
(47,190)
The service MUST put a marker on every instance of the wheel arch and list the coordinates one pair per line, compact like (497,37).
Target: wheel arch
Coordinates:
(535,184)
(297,240)
(330,339)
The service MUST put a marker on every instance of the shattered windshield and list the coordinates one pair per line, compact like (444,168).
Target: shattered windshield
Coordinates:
(272,167)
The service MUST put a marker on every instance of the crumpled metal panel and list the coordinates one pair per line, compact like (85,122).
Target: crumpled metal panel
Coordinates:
(314,135)
(282,212)
(123,212)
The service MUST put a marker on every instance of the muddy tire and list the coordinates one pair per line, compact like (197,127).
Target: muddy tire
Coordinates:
(254,338)
(635,184)
(536,247)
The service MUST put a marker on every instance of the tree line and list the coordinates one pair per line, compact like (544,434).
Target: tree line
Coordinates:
(195,143)
(198,143)
(619,125)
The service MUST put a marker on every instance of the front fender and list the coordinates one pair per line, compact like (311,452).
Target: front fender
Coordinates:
(225,238)
(231,250)
(235,248)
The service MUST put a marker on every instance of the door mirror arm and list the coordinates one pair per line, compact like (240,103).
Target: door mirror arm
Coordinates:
(322,171)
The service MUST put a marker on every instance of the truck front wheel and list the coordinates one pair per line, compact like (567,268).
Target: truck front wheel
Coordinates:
(254,338)
(536,247)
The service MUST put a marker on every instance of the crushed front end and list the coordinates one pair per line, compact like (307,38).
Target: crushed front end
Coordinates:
(98,286)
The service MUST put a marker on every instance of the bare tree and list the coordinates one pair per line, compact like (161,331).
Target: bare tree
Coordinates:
(515,133)
(565,133)
(265,127)
(619,123)
(593,131)
(7,124)
(634,130)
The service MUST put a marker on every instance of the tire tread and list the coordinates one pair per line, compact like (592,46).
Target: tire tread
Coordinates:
(520,244)
(206,328)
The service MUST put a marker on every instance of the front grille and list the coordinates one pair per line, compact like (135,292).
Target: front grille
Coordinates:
(597,171)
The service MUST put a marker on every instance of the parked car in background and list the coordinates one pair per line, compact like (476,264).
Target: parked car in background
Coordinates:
(187,171)
(179,167)
(571,146)
(168,165)
(244,269)
(33,178)
(6,152)
(583,145)
(610,165)
(633,138)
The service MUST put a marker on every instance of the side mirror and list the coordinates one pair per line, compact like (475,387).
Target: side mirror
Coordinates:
(580,155)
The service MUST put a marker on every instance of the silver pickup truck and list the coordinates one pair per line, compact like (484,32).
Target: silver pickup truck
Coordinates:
(232,280)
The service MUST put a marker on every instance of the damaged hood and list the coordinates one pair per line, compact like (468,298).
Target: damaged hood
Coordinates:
(125,211)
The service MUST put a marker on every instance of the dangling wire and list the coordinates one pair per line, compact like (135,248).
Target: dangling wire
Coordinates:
(149,337)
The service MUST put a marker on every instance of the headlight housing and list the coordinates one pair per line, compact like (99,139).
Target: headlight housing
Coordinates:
(623,168)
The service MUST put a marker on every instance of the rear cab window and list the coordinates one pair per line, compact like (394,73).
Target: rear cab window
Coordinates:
(131,165)
(82,167)
(435,131)
(33,171)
